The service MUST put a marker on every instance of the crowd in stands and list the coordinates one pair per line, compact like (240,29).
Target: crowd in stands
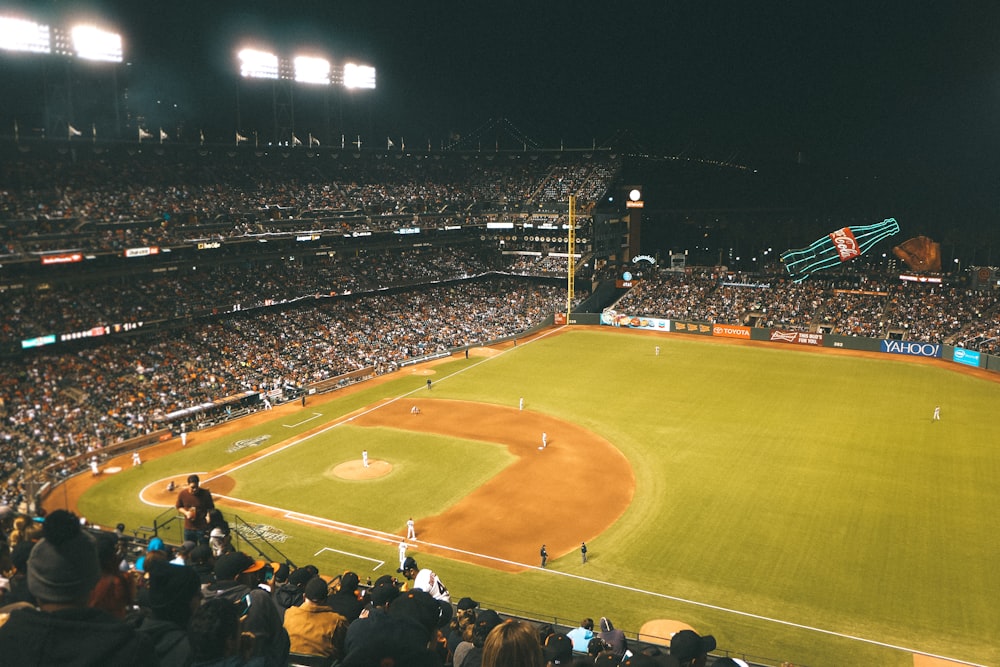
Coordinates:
(59,405)
(849,305)
(108,204)
(79,596)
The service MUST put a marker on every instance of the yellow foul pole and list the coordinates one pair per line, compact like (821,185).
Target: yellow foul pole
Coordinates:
(570,259)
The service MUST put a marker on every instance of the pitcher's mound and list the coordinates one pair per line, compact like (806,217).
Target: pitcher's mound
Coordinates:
(355,469)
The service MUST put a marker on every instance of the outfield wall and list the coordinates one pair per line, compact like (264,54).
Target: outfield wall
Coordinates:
(958,355)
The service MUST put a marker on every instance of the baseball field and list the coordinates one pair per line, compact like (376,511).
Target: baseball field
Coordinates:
(800,506)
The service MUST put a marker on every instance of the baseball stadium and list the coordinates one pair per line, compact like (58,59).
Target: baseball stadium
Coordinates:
(768,427)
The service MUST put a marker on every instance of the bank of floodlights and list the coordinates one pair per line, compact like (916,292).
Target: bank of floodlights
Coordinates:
(257,64)
(359,76)
(24,35)
(87,42)
(313,70)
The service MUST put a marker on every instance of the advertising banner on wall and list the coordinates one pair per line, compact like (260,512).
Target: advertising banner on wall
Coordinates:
(731,331)
(910,347)
(796,337)
(700,328)
(616,319)
(968,357)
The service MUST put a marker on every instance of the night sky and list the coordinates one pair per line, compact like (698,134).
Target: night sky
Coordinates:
(904,87)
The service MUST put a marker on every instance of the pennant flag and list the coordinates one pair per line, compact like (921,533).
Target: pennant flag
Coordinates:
(93,130)
(402,144)
(163,135)
(73,132)
(201,137)
(358,142)
(240,138)
(143,134)
(295,140)
(313,140)
(388,143)
(341,142)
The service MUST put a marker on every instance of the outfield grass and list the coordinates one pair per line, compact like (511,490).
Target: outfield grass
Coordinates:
(798,506)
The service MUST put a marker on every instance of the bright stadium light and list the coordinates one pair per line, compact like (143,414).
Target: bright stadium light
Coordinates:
(256,64)
(24,35)
(359,76)
(92,43)
(312,70)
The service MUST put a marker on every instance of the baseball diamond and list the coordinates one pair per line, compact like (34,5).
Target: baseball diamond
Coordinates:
(695,485)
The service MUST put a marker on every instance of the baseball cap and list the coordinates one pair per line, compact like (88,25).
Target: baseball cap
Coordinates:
(467,603)
(688,644)
(228,566)
(559,649)
(408,564)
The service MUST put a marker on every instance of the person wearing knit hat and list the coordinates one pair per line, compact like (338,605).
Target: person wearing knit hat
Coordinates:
(313,628)
(62,570)
(174,594)
(237,579)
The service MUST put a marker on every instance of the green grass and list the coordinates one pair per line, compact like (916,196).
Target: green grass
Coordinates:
(772,484)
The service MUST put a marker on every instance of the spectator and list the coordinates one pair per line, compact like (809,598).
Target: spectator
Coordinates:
(691,649)
(558,649)
(114,592)
(174,595)
(582,635)
(614,638)
(194,502)
(486,620)
(513,644)
(62,571)
(345,600)
(314,628)
(237,580)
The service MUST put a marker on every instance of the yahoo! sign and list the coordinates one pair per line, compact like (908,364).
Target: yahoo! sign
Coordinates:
(912,348)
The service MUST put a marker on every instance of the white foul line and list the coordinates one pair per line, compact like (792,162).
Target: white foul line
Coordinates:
(316,415)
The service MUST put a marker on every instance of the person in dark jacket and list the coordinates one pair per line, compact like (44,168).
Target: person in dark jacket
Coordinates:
(237,579)
(346,601)
(62,570)
(174,595)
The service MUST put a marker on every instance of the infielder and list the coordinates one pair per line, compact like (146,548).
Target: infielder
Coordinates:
(402,553)
(136,459)
(520,404)
(364,458)
(411,530)
(545,440)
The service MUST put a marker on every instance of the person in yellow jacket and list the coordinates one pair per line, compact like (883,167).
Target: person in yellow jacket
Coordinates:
(314,628)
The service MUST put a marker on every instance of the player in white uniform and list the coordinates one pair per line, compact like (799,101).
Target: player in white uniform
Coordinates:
(411,530)
(425,580)
(402,553)
(364,458)
(136,459)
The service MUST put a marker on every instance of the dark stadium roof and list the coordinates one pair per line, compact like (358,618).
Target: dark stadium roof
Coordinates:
(876,89)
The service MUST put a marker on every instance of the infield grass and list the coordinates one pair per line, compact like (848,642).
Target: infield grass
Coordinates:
(798,506)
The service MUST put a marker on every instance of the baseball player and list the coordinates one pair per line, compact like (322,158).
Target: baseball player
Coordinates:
(545,440)
(937,413)
(184,438)
(520,404)
(402,553)
(583,551)
(136,459)
(411,530)
(657,350)
(544,554)
(364,458)
(425,580)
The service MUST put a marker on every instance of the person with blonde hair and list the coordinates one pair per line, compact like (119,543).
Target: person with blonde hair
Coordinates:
(513,644)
